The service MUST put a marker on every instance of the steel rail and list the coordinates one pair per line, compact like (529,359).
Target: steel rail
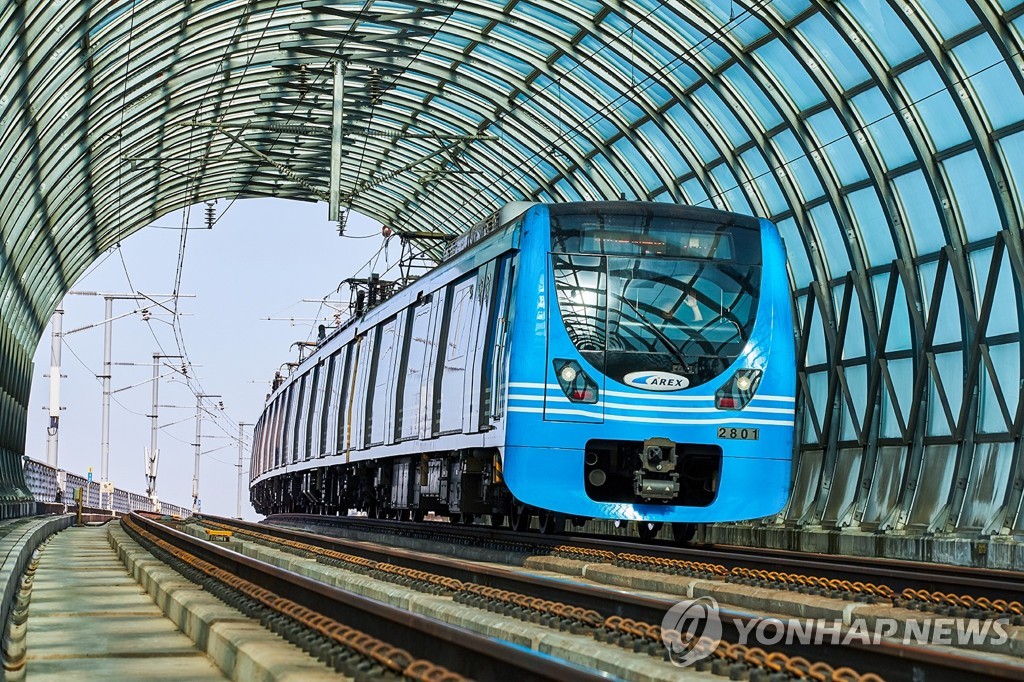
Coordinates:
(476,656)
(898,574)
(914,663)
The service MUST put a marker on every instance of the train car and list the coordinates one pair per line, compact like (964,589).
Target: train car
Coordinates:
(614,360)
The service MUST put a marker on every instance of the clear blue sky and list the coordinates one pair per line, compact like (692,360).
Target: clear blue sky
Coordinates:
(260,260)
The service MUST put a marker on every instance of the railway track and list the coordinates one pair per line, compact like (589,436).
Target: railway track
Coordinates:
(628,618)
(899,576)
(391,643)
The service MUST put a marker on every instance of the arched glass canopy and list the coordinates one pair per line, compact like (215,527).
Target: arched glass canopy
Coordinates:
(885,138)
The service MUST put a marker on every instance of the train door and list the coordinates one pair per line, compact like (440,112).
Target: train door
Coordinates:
(412,386)
(495,362)
(577,328)
(477,365)
(454,355)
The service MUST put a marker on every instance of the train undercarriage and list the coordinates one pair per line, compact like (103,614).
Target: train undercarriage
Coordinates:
(464,486)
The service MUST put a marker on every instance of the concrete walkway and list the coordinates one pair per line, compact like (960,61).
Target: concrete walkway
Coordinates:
(89,620)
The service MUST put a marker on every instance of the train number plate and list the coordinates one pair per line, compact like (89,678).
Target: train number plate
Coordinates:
(738,433)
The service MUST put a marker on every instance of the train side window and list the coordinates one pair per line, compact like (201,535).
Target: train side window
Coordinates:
(288,425)
(379,381)
(327,398)
(344,408)
(257,454)
(316,399)
(299,417)
(456,335)
(413,369)
(279,404)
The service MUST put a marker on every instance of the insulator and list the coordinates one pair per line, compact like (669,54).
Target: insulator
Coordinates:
(342,222)
(211,215)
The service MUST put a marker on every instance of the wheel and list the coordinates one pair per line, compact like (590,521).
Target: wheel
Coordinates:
(418,515)
(520,517)
(404,514)
(683,533)
(467,519)
(551,523)
(497,520)
(647,530)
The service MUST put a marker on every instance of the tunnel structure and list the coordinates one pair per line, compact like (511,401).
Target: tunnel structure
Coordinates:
(884,138)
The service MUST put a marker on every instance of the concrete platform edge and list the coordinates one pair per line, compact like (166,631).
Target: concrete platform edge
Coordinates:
(237,644)
(13,566)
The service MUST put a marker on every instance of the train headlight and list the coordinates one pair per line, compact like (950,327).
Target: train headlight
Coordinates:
(737,392)
(577,386)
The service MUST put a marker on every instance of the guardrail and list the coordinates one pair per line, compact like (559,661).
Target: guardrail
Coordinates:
(44,481)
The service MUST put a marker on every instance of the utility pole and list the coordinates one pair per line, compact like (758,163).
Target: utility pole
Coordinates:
(153,453)
(55,347)
(199,438)
(241,442)
(108,320)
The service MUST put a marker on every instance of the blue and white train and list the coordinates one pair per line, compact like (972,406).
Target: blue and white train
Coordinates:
(615,360)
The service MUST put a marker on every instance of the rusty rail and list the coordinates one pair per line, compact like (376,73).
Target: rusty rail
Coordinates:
(411,639)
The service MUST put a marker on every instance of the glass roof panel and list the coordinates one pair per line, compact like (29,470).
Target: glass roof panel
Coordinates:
(730,195)
(885,29)
(613,175)
(950,17)
(551,21)
(676,27)
(607,97)
(567,191)
(788,9)
(874,228)
(1011,149)
(638,163)
(523,40)
(666,150)
(696,195)
(790,73)
(918,205)
(754,96)
(796,254)
(693,133)
(935,106)
(836,144)
(973,194)
(655,50)
(831,238)
(721,114)
(833,51)
(764,178)
(470,19)
(879,121)
(798,165)
(990,77)
(512,63)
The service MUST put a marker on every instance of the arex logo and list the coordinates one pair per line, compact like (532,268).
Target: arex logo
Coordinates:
(656,381)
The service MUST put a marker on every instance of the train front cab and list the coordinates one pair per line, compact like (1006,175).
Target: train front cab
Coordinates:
(605,420)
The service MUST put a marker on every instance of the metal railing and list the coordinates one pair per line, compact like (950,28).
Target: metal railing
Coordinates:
(44,481)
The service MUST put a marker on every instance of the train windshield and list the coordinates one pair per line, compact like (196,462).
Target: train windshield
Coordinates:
(657,292)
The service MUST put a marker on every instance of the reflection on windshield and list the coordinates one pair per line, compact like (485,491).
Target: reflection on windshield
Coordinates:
(628,314)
